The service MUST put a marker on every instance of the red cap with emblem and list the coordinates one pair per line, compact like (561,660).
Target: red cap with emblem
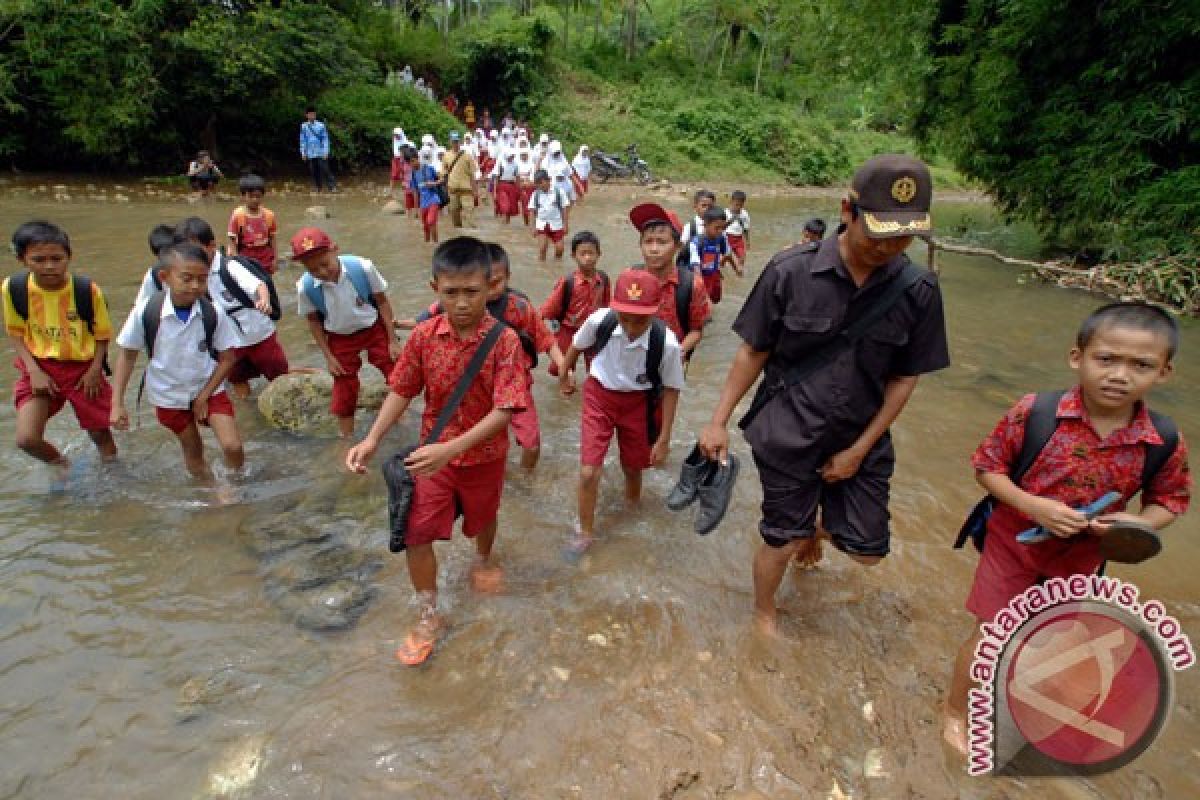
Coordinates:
(308,241)
(636,292)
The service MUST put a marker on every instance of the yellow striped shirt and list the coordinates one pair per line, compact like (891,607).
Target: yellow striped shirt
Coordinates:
(54,328)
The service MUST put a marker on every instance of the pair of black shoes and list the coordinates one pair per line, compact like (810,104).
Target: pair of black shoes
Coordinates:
(709,482)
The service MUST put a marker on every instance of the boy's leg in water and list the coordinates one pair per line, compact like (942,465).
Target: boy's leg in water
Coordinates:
(633,486)
(486,577)
(543,245)
(422,572)
(105,444)
(32,417)
(230,439)
(954,714)
(589,490)
(193,453)
(559,247)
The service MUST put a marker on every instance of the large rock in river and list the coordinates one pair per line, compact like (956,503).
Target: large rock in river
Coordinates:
(299,401)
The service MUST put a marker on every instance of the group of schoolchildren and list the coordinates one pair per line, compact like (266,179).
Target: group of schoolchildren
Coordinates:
(204,318)
(534,181)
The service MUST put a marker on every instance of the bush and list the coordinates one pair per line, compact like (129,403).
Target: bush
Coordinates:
(361,119)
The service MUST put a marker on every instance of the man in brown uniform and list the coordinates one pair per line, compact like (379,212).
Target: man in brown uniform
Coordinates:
(460,169)
(819,425)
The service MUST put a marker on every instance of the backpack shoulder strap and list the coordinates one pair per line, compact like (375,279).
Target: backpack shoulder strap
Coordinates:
(1039,427)
(151,316)
(18,290)
(567,288)
(1158,454)
(208,316)
(313,292)
(358,276)
(683,299)
(232,286)
(604,331)
(81,287)
(654,353)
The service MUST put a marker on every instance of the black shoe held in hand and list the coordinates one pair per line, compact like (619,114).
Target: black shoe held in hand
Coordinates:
(715,492)
(695,468)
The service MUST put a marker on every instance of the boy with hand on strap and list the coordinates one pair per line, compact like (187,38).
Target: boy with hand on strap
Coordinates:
(575,296)
(461,468)
(59,328)
(632,390)
(189,343)
(1102,438)
(342,296)
(684,304)
(244,290)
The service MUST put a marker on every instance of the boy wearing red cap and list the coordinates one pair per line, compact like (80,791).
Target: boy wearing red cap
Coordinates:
(632,390)
(342,296)
(685,309)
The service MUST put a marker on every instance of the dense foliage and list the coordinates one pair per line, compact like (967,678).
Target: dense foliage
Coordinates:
(1082,116)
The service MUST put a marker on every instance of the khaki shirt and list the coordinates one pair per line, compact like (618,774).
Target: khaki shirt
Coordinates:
(461,178)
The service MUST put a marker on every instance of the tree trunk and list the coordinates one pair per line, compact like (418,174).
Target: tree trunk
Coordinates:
(631,33)
(762,54)
(599,21)
(724,49)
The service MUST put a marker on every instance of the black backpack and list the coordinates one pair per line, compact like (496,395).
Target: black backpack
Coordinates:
(245,301)
(152,314)
(654,356)
(81,288)
(1039,427)
(569,286)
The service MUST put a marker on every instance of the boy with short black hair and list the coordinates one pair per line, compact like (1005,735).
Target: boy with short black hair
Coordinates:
(343,297)
(738,229)
(632,390)
(684,305)
(189,342)
(551,208)
(1103,435)
(576,296)
(161,237)
(252,226)
(246,299)
(59,328)
(702,201)
(464,469)
(711,250)
(814,231)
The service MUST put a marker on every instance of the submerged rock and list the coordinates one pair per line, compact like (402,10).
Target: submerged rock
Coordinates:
(393,207)
(237,768)
(332,607)
(299,402)
(201,692)
(268,536)
(317,212)
(308,568)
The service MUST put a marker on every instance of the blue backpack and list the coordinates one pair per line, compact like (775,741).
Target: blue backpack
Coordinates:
(354,271)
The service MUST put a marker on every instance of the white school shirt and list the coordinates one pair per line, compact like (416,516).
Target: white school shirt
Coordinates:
(147,288)
(738,223)
(546,205)
(527,169)
(346,312)
(583,166)
(619,365)
(559,170)
(250,326)
(506,170)
(181,364)
(692,230)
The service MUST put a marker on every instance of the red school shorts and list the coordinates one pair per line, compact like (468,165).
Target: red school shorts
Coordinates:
(347,348)
(508,196)
(429,216)
(397,168)
(92,412)
(176,420)
(265,358)
(1007,567)
(526,428)
(436,500)
(553,235)
(606,412)
(738,245)
(712,283)
(410,200)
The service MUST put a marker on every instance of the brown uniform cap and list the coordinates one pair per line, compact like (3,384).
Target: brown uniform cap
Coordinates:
(893,193)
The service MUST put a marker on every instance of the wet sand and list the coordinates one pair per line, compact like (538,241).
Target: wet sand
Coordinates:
(632,675)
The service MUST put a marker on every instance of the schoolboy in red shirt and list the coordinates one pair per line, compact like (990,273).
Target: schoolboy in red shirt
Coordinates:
(615,394)
(465,467)
(659,232)
(1122,351)
(60,355)
(343,297)
(590,291)
(252,226)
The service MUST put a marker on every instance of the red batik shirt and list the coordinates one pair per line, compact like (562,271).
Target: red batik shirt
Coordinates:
(587,295)
(699,310)
(1077,466)
(433,360)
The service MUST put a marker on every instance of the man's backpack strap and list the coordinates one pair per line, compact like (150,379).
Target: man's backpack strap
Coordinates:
(654,357)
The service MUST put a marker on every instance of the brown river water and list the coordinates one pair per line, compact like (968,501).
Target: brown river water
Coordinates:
(140,656)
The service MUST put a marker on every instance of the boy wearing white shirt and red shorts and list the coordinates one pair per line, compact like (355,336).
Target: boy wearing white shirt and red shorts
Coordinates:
(629,392)
(190,346)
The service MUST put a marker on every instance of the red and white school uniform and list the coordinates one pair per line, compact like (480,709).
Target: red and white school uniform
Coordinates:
(735,231)
(257,348)
(587,296)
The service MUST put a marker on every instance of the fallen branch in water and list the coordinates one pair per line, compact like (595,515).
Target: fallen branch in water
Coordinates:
(1172,281)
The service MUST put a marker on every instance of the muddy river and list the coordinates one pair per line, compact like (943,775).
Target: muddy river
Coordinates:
(142,655)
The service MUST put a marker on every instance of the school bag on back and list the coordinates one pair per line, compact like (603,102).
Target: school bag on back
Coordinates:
(358,278)
(81,289)
(257,270)
(569,286)
(653,370)
(1040,425)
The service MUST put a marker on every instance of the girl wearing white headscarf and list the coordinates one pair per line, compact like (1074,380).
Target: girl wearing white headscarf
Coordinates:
(583,166)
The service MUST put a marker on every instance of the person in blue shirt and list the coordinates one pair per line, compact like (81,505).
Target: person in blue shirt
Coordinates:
(425,182)
(314,149)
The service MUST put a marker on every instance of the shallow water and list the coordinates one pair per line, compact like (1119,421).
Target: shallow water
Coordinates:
(631,675)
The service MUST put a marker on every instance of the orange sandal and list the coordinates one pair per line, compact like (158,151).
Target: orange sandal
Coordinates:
(415,651)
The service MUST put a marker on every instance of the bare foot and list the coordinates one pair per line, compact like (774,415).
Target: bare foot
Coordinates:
(954,731)
(764,623)
(487,578)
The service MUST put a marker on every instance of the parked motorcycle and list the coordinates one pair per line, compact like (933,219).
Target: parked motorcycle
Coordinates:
(606,165)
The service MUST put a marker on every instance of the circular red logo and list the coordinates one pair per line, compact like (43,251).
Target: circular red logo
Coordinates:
(1086,688)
